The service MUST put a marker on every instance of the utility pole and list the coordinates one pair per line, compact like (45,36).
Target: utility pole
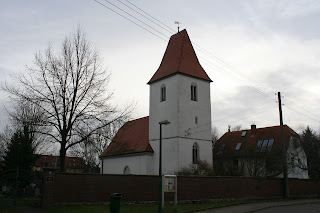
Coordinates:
(284,153)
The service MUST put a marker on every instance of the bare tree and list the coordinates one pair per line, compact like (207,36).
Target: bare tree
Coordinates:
(95,145)
(70,88)
(3,147)
(28,115)
(203,168)
(214,135)
(236,128)
(257,164)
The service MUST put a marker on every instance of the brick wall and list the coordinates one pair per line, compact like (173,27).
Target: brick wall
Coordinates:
(92,188)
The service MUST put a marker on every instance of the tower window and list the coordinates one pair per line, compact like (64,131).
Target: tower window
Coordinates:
(195,153)
(194,92)
(163,93)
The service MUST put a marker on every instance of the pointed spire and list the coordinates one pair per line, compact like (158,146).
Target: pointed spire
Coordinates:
(180,58)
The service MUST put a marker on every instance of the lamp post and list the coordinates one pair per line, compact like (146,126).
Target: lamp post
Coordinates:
(165,122)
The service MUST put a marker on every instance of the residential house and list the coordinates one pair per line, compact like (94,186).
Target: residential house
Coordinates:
(257,152)
(72,164)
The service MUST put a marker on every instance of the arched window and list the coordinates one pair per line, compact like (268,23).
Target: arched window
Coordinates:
(163,93)
(194,96)
(195,153)
(126,170)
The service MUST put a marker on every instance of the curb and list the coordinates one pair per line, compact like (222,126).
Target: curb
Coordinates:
(253,207)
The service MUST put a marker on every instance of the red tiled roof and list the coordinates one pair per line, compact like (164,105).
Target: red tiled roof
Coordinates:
(51,162)
(249,141)
(180,58)
(132,137)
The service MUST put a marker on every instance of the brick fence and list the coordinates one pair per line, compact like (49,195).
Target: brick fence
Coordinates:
(64,188)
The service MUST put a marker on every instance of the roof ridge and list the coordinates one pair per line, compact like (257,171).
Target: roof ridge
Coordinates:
(138,119)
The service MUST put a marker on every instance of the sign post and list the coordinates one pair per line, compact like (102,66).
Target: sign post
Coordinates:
(170,185)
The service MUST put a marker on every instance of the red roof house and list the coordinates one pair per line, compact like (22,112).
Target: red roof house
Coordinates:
(254,151)
(72,164)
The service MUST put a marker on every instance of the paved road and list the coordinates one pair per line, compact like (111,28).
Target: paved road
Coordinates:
(257,207)
(307,208)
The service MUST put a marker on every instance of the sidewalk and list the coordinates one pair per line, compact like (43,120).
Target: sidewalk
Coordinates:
(251,207)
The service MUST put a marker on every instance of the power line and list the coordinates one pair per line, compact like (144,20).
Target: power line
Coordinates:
(170,31)
(135,18)
(290,101)
(206,61)
(301,113)
(151,16)
(229,66)
(201,49)
(205,51)
(129,20)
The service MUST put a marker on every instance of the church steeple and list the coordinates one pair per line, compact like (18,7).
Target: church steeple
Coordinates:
(180,58)
(180,93)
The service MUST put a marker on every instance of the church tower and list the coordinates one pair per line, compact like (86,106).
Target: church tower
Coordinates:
(180,93)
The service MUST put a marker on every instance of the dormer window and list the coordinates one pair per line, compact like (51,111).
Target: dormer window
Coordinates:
(163,93)
(264,145)
(194,92)
(238,146)
(243,133)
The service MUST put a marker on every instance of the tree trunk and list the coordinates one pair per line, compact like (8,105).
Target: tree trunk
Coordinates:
(62,158)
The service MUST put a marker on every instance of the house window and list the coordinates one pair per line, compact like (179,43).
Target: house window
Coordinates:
(163,93)
(194,92)
(238,146)
(243,133)
(196,120)
(270,143)
(264,145)
(195,153)
(126,170)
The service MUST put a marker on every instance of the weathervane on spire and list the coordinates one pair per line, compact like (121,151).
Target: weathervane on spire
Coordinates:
(178,23)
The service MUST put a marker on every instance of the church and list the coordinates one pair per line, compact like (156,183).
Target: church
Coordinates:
(179,103)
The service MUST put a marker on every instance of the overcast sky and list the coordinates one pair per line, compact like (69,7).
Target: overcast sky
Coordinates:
(250,49)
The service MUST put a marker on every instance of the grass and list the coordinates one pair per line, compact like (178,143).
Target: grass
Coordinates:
(6,203)
(139,208)
(187,207)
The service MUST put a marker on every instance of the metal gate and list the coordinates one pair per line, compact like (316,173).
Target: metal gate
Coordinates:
(20,188)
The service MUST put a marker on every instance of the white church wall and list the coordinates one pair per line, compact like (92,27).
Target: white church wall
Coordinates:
(137,164)
(190,122)
(194,116)
(165,110)
(186,146)
(170,156)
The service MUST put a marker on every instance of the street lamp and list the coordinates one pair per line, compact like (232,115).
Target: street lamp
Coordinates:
(165,122)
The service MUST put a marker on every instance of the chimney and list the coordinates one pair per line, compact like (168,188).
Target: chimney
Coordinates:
(253,127)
